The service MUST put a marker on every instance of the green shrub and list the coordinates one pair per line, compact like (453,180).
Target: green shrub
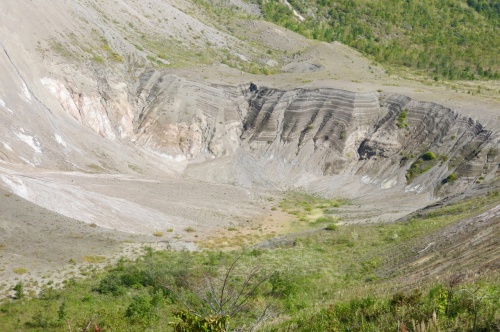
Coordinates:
(142,309)
(429,156)
(425,162)
(62,312)
(19,290)
(401,123)
(193,323)
(282,284)
(324,219)
(451,178)
(331,227)
(111,284)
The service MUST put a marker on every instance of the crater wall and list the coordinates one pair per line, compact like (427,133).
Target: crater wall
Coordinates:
(263,136)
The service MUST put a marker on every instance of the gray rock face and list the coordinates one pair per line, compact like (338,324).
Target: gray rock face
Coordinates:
(271,137)
(329,132)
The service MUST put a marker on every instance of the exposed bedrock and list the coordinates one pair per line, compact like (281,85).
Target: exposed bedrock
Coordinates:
(252,135)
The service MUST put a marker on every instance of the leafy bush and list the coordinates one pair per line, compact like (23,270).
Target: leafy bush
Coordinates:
(425,162)
(141,310)
(19,290)
(111,284)
(402,120)
(193,323)
(331,227)
(451,178)
(429,156)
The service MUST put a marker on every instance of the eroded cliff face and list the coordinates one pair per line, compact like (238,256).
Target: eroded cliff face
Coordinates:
(78,96)
(283,138)
(383,138)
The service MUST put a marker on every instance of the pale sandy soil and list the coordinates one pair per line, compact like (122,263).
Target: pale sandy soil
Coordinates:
(39,247)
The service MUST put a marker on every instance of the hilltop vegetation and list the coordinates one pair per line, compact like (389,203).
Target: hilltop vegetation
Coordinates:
(452,39)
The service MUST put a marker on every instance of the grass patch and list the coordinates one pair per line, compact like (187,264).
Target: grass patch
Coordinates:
(94,259)
(20,270)
(325,219)
(94,168)
(311,209)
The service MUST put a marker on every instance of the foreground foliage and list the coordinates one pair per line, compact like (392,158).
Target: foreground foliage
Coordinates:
(342,279)
(146,304)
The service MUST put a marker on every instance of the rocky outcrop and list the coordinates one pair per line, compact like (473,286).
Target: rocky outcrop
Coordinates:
(285,136)
(329,132)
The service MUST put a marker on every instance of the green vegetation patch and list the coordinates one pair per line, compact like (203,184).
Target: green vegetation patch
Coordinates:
(441,308)
(327,281)
(401,123)
(94,259)
(450,39)
(451,178)
(311,209)
(423,163)
(20,270)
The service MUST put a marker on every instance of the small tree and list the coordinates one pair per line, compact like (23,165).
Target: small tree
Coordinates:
(429,155)
(19,290)
(477,301)
(213,299)
(453,282)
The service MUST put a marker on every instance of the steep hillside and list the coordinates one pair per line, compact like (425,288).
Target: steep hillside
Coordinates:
(453,39)
(181,122)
